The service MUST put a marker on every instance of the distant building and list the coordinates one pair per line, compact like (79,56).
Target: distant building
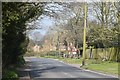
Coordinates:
(36,48)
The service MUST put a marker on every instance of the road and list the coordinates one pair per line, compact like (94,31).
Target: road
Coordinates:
(39,68)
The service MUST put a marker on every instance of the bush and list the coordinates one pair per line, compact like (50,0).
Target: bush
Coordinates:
(10,75)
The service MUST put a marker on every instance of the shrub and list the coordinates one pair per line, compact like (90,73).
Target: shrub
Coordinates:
(10,75)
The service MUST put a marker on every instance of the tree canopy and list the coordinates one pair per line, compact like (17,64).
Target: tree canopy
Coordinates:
(14,17)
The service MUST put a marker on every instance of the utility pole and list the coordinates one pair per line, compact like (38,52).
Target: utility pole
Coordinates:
(59,43)
(84,36)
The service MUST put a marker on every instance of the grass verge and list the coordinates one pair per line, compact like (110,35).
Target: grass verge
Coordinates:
(107,67)
(103,66)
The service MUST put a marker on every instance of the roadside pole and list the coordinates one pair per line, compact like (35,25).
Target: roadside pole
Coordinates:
(84,36)
(58,44)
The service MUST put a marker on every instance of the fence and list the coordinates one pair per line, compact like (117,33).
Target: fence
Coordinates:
(111,54)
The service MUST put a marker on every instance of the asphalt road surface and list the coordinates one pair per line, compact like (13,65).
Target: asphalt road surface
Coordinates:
(42,68)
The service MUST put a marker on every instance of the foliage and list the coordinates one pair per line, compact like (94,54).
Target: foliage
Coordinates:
(102,27)
(10,75)
(14,17)
(104,30)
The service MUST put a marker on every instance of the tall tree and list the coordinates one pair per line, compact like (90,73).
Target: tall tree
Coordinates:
(14,17)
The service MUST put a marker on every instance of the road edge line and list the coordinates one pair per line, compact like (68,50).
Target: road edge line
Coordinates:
(88,69)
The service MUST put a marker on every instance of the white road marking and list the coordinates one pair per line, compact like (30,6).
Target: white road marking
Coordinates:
(68,74)
(90,70)
(99,73)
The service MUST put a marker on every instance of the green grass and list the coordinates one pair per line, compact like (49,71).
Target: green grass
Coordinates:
(67,60)
(105,67)
(91,64)
(71,61)
(54,57)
